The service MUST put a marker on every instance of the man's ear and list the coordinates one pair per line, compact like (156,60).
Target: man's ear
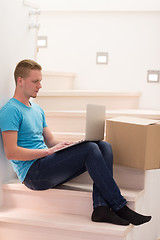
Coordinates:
(20,81)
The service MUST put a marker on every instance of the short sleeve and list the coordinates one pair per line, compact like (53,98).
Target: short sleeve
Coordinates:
(43,116)
(10,119)
(44,119)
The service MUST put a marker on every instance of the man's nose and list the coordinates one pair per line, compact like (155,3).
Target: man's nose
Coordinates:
(40,85)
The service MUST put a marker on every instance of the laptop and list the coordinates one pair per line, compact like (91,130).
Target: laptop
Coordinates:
(94,126)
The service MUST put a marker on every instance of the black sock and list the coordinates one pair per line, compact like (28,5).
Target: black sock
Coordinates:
(132,217)
(105,214)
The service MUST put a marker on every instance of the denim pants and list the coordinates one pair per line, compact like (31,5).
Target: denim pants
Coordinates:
(94,157)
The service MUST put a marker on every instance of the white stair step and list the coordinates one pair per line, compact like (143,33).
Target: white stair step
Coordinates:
(74,121)
(69,136)
(74,199)
(77,100)
(132,195)
(125,177)
(130,178)
(66,121)
(141,113)
(49,201)
(26,224)
(54,81)
(72,136)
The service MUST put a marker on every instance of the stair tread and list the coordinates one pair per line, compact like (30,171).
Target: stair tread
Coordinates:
(74,136)
(61,221)
(75,189)
(58,74)
(130,194)
(155,114)
(69,133)
(77,93)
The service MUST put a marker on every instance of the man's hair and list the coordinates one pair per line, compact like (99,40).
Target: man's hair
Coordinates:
(24,67)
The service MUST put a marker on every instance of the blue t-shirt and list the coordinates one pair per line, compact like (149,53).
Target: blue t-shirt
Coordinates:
(29,123)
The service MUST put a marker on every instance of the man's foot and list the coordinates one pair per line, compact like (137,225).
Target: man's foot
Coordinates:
(105,214)
(131,216)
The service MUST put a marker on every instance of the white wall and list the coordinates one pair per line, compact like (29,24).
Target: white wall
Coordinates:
(16,43)
(99,5)
(130,37)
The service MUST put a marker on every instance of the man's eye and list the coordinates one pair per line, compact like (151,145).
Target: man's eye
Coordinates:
(36,81)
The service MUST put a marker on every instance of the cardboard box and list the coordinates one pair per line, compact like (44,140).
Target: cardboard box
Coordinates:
(135,142)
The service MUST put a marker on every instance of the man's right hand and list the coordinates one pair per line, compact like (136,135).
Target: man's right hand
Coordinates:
(59,146)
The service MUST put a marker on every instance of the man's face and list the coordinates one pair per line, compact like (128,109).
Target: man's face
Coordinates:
(31,84)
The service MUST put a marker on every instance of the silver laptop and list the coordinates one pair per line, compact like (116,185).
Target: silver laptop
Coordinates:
(94,127)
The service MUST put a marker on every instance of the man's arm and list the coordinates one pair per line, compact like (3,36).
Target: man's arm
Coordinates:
(14,152)
(49,139)
(52,142)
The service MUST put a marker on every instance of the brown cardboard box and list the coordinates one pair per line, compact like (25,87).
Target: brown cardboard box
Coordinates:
(135,142)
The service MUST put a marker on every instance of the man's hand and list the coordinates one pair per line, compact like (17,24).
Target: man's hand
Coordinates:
(59,146)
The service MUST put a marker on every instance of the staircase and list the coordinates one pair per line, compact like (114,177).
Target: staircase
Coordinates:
(63,100)
(65,107)
(64,213)
(70,125)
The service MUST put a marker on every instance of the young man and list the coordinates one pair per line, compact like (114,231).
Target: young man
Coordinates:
(30,146)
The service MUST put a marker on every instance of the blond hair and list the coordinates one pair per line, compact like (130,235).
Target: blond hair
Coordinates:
(24,67)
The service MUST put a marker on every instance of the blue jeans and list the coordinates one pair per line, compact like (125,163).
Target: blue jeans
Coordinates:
(95,157)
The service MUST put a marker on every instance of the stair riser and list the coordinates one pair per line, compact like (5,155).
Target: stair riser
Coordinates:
(66,124)
(79,103)
(15,231)
(128,178)
(53,81)
(50,202)
(75,122)
(69,136)
(57,84)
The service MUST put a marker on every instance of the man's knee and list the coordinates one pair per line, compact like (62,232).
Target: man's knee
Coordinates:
(105,144)
(91,146)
